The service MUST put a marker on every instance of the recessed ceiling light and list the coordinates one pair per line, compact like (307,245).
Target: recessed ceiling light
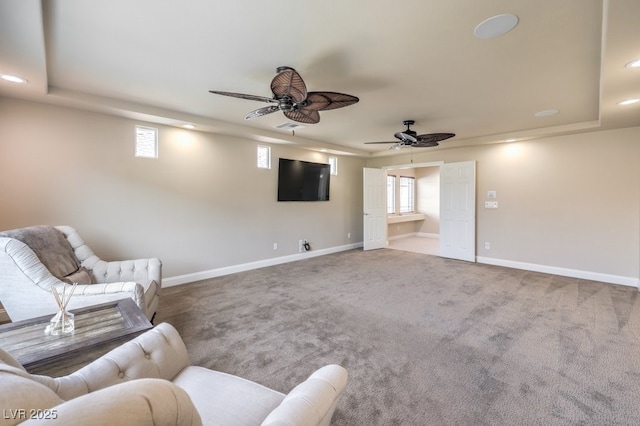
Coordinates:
(546,113)
(510,140)
(188,126)
(633,64)
(629,101)
(13,78)
(496,26)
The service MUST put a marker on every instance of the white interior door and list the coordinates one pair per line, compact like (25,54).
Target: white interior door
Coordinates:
(375,209)
(458,210)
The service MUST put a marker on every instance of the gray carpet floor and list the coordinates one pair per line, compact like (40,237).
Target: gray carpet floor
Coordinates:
(426,340)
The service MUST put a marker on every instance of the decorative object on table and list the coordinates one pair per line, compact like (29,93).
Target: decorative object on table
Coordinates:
(97,329)
(63,321)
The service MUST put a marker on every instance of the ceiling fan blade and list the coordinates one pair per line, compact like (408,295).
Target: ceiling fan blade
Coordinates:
(323,101)
(303,116)
(433,137)
(261,111)
(289,83)
(405,137)
(420,144)
(243,96)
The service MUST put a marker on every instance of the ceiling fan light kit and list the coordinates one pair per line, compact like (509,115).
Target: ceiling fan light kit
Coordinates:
(291,97)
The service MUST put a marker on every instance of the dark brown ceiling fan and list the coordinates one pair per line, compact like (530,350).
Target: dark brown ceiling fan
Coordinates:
(291,97)
(409,137)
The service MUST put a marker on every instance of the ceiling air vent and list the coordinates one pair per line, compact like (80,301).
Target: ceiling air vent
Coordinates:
(290,126)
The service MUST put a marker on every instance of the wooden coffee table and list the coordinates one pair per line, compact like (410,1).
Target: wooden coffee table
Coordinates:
(98,329)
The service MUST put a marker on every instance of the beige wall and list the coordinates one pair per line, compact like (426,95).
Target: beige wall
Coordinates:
(202,205)
(428,199)
(566,202)
(403,229)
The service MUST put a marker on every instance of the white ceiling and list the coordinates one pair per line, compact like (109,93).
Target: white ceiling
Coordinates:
(156,60)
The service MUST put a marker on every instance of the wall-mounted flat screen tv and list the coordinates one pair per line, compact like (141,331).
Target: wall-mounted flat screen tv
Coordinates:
(303,180)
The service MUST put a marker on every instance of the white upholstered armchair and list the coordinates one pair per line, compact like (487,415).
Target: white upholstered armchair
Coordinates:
(148,380)
(37,258)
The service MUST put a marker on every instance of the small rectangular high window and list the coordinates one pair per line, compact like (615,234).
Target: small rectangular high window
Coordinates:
(146,142)
(264,157)
(333,162)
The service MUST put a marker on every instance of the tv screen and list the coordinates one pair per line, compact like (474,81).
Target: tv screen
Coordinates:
(303,181)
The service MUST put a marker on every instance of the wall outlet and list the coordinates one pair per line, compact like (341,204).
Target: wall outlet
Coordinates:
(300,246)
(275,246)
(349,235)
(487,246)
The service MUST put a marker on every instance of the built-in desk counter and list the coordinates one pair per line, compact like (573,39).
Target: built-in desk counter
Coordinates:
(411,217)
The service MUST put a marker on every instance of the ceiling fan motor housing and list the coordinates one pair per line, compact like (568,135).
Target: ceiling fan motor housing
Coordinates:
(286,103)
(408,136)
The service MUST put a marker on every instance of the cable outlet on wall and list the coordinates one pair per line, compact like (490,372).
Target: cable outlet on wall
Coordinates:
(304,245)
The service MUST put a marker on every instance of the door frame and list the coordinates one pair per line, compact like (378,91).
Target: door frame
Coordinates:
(381,244)
(431,164)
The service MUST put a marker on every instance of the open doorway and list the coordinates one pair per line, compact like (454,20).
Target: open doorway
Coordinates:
(413,214)
(456,221)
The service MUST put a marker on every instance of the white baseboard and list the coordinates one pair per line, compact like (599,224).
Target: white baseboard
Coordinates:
(212,273)
(401,236)
(428,235)
(574,273)
(566,272)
